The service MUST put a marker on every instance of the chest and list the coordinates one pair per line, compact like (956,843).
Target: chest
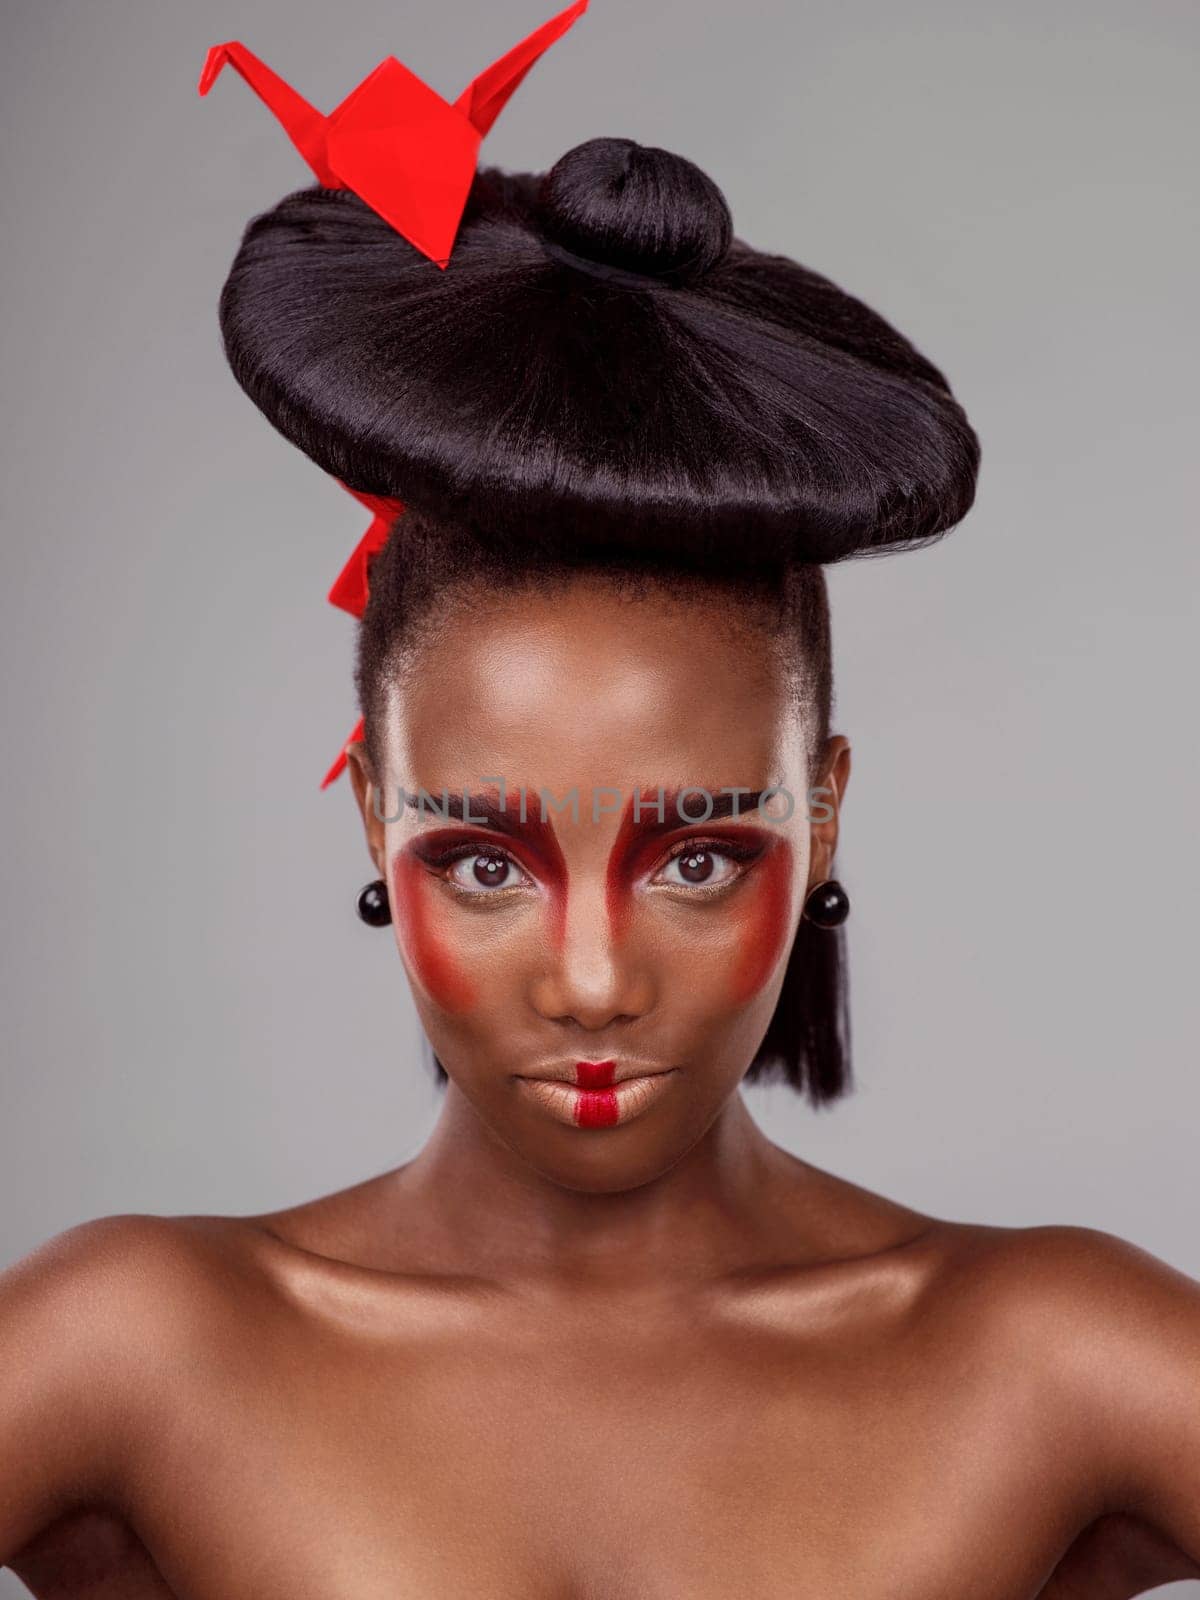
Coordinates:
(596,1469)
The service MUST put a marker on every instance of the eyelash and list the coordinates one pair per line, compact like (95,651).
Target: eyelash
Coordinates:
(744,852)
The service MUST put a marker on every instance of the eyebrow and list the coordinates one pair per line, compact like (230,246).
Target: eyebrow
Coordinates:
(486,811)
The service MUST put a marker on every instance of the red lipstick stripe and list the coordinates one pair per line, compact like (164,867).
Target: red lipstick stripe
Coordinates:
(596,1107)
(594,1074)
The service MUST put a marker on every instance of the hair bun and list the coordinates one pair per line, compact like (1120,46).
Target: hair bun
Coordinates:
(761,413)
(637,208)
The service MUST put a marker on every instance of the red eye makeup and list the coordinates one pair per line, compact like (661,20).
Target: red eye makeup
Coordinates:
(704,864)
(530,845)
(639,844)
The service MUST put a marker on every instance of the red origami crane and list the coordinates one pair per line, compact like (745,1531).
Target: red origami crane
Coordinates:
(411,156)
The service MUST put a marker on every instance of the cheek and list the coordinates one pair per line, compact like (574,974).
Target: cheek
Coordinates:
(763,922)
(423,944)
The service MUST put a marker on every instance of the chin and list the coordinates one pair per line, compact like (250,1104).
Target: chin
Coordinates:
(606,1160)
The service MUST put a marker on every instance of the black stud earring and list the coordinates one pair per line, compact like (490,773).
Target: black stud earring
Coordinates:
(827,904)
(374,907)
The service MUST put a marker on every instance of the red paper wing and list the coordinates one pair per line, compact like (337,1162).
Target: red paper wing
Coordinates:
(486,96)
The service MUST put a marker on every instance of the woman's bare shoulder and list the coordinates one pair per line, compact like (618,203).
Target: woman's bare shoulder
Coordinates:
(1089,1284)
(1082,1341)
(126,1293)
(123,1258)
(88,1320)
(1108,1337)
(101,1265)
(1070,1298)
(1051,1266)
(1064,1292)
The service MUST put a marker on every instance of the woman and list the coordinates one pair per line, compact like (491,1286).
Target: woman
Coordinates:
(601,1337)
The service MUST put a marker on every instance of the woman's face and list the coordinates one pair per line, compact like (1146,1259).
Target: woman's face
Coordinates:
(594,970)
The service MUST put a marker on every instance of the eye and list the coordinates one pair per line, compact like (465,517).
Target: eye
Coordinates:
(700,865)
(476,871)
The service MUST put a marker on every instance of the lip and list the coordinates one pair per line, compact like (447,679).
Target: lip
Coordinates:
(634,1089)
(594,1074)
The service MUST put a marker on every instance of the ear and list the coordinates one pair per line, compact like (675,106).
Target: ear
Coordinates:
(824,807)
(366,793)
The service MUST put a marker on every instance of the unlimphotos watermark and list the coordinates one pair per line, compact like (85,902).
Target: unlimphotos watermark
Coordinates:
(686,806)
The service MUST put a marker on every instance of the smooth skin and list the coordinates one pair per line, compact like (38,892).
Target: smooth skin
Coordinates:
(661,1360)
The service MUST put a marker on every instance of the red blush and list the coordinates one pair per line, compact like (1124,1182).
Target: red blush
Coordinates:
(765,921)
(431,961)
(596,1107)
(416,909)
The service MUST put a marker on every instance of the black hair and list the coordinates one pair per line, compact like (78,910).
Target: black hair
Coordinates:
(604,379)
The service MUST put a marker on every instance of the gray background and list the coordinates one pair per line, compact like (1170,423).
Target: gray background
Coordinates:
(194,1018)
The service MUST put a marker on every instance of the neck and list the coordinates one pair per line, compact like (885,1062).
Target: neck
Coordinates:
(734,1199)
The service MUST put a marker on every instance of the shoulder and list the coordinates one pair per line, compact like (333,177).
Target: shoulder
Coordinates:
(1105,1337)
(108,1299)
(88,1321)
(1095,1288)
(112,1266)
(1075,1298)
(97,1313)
(1083,1320)
(91,1274)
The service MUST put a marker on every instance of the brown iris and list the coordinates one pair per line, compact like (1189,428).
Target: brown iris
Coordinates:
(490,870)
(695,866)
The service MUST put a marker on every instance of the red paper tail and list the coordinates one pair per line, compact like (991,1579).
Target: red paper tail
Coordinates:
(335,770)
(303,124)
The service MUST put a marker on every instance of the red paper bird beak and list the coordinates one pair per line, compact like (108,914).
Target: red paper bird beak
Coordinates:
(409,154)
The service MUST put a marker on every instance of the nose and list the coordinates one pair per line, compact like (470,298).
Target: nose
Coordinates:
(586,976)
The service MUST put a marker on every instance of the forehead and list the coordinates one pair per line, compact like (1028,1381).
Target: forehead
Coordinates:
(590,682)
